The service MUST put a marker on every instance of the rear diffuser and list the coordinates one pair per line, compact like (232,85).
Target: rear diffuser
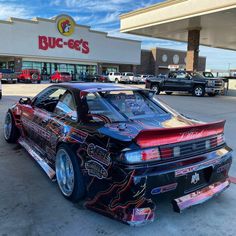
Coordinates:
(200,196)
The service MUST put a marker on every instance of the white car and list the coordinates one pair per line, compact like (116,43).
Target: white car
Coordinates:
(127,77)
(114,77)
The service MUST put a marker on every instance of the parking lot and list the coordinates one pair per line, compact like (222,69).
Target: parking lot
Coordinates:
(30,204)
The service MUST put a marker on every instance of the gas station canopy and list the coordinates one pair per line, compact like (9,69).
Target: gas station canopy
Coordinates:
(173,19)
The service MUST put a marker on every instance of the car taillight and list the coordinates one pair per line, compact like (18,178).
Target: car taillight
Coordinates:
(217,141)
(166,153)
(150,154)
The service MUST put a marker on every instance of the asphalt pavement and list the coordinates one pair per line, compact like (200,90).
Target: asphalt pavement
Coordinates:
(30,204)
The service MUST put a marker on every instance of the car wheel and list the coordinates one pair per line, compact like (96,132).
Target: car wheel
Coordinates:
(199,91)
(116,81)
(11,132)
(211,94)
(156,88)
(68,174)
(0,95)
(169,93)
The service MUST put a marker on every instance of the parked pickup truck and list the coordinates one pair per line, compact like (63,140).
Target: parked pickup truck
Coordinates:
(29,75)
(114,77)
(182,81)
(127,77)
(8,75)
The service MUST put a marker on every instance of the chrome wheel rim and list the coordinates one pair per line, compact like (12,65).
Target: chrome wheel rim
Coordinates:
(198,91)
(7,126)
(64,172)
(155,88)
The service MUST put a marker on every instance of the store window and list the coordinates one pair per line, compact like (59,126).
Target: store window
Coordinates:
(107,70)
(78,72)
(84,70)
(3,65)
(11,65)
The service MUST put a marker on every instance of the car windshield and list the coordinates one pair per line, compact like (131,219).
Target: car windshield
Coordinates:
(198,75)
(208,75)
(34,72)
(65,73)
(120,106)
(6,71)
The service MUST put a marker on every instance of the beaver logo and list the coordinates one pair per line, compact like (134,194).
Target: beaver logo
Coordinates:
(66,26)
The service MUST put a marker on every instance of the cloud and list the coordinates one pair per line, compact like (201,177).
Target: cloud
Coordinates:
(7,11)
(103,15)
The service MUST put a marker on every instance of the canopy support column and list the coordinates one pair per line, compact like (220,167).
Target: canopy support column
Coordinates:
(193,50)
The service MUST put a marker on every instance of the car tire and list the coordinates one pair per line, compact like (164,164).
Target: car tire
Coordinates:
(72,191)
(116,81)
(199,91)
(0,95)
(169,93)
(211,94)
(11,132)
(156,88)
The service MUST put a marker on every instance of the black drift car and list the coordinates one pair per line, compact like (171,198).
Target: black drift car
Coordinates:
(119,148)
(182,81)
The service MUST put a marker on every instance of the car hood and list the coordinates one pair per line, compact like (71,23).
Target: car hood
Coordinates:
(127,131)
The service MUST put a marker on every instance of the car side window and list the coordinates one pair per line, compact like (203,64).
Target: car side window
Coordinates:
(49,98)
(66,107)
(181,76)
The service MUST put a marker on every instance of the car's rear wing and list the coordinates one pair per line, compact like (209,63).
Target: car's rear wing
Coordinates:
(163,136)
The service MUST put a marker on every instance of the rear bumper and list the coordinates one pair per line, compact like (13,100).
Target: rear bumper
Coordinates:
(177,179)
(199,196)
(9,79)
(132,193)
(123,80)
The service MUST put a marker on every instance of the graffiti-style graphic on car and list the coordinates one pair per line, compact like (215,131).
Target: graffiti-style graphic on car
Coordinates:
(120,149)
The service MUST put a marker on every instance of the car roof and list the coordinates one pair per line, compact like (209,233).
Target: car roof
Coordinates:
(96,87)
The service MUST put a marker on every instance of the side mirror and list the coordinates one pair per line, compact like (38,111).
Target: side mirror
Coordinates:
(25,101)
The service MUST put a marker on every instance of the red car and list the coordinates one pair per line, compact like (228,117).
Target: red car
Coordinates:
(29,75)
(57,77)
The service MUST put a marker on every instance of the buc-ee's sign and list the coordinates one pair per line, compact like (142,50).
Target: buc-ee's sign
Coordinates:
(66,27)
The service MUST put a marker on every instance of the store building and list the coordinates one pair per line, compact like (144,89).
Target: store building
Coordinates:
(160,60)
(61,44)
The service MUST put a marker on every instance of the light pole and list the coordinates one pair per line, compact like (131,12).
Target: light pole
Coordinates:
(229,65)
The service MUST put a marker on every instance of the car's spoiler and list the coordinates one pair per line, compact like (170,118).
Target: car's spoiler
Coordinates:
(162,136)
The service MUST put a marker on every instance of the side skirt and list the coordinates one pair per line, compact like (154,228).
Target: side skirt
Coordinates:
(33,152)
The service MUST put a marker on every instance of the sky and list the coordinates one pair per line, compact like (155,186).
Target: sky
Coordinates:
(103,15)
